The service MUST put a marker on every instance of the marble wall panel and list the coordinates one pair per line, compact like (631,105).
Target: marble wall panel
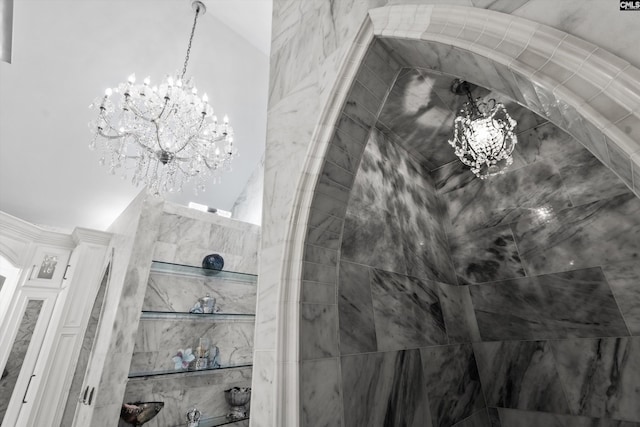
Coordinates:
(517,418)
(478,419)
(355,308)
(458,314)
(494,417)
(407,312)
(520,375)
(166,292)
(385,389)
(624,279)
(158,340)
(180,393)
(601,376)
(562,305)
(452,383)
(507,198)
(485,255)
(597,233)
(318,331)
(322,403)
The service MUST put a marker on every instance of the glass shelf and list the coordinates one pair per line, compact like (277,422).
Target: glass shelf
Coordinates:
(192,271)
(219,421)
(176,315)
(185,371)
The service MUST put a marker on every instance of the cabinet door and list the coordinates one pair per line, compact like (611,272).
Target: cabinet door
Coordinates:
(32,313)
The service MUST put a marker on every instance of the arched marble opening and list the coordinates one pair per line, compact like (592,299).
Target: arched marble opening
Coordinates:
(576,85)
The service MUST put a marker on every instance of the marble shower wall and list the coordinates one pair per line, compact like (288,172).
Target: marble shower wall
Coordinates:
(404,326)
(549,254)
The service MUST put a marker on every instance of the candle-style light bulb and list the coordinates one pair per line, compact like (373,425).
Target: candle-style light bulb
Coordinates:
(132,78)
(147,81)
(108,92)
(226,119)
(170,81)
(205,98)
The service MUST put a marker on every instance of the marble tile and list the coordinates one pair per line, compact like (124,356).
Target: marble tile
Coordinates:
(452,176)
(204,391)
(385,389)
(373,238)
(624,279)
(452,383)
(520,375)
(407,312)
(494,417)
(320,255)
(601,376)
(516,418)
(317,293)
(620,162)
(593,234)
(507,198)
(318,331)
(355,308)
(419,118)
(572,304)
(458,314)
(322,403)
(319,273)
(478,419)
(485,255)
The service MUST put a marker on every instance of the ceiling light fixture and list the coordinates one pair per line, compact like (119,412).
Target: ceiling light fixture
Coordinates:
(165,134)
(483,136)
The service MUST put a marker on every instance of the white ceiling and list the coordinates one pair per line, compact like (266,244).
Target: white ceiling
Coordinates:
(66,52)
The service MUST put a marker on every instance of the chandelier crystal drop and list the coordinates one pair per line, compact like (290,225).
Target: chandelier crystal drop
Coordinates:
(164,135)
(483,136)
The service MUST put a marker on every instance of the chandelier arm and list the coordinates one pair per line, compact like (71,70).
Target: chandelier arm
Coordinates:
(134,109)
(191,138)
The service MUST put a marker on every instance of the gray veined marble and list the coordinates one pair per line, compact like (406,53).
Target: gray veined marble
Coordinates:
(601,376)
(318,331)
(562,305)
(485,255)
(517,418)
(478,419)
(452,382)
(355,308)
(407,312)
(597,233)
(385,389)
(321,404)
(624,279)
(458,314)
(520,375)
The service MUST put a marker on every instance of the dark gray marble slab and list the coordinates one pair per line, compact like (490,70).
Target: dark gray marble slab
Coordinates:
(624,279)
(517,418)
(485,255)
(494,417)
(504,199)
(452,383)
(355,308)
(321,403)
(407,312)
(601,376)
(520,375)
(597,233)
(415,116)
(562,305)
(457,310)
(385,389)
(478,419)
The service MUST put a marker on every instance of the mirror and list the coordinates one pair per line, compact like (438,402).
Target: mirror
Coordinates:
(18,352)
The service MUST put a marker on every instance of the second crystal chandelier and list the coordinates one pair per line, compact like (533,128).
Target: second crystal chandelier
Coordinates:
(483,135)
(164,135)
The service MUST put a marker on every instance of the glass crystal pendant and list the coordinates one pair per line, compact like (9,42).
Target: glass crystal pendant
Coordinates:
(483,136)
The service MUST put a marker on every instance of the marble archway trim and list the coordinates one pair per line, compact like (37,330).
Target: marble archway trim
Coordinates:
(580,87)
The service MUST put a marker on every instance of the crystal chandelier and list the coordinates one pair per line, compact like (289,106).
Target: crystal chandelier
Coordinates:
(164,135)
(483,136)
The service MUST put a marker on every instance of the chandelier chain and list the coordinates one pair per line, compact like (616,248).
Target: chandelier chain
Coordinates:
(193,31)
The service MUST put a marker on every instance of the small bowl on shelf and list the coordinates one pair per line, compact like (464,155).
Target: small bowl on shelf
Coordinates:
(238,398)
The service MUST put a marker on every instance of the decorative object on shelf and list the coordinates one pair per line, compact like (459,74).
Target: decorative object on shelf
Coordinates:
(183,358)
(214,362)
(138,413)
(237,398)
(165,134)
(213,262)
(193,418)
(202,353)
(197,308)
(483,136)
(208,304)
